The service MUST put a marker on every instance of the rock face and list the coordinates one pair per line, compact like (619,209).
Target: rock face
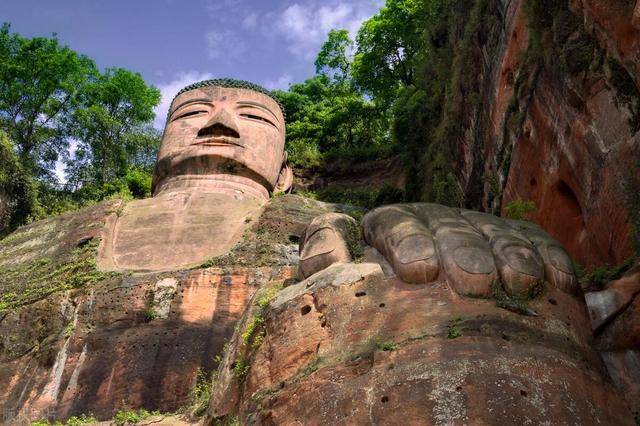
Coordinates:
(348,346)
(559,134)
(615,319)
(175,230)
(76,340)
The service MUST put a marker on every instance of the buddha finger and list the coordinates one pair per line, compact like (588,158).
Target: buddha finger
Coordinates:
(325,242)
(464,254)
(558,266)
(404,241)
(520,265)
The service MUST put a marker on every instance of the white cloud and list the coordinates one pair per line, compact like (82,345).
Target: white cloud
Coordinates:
(250,21)
(305,25)
(224,44)
(281,83)
(170,89)
(219,8)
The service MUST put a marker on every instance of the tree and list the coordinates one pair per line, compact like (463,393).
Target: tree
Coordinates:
(17,189)
(39,86)
(111,128)
(333,59)
(388,45)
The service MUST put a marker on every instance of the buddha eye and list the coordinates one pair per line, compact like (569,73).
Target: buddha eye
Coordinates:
(190,114)
(257,117)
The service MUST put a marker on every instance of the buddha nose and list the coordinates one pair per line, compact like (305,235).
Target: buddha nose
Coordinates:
(221,124)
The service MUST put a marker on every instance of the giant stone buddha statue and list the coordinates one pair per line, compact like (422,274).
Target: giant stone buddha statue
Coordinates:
(222,155)
(451,317)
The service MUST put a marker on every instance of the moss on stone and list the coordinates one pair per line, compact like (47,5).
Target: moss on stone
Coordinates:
(29,282)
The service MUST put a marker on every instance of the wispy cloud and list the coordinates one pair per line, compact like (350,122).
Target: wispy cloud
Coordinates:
(250,21)
(305,25)
(224,44)
(169,90)
(280,83)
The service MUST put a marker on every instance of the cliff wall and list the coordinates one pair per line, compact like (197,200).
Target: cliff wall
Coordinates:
(557,120)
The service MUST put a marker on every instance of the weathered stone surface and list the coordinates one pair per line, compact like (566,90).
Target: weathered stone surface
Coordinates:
(325,242)
(471,250)
(379,350)
(615,26)
(335,275)
(567,162)
(111,345)
(562,141)
(615,318)
(176,229)
(366,175)
(140,338)
(624,368)
(606,304)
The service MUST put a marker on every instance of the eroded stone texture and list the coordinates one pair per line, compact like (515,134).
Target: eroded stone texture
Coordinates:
(566,147)
(615,319)
(137,338)
(119,348)
(176,229)
(325,242)
(375,350)
(615,25)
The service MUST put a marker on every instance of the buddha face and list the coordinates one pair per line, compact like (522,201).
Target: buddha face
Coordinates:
(223,131)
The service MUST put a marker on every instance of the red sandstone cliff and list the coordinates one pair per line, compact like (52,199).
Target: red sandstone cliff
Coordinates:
(569,142)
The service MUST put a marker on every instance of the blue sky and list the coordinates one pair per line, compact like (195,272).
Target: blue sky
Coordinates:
(173,43)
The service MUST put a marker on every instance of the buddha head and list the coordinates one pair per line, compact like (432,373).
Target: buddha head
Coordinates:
(224,135)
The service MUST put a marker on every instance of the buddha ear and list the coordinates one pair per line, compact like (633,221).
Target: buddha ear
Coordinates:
(285,179)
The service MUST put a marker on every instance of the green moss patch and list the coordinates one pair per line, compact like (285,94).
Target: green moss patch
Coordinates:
(29,282)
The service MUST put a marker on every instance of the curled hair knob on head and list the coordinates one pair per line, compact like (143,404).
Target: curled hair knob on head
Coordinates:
(231,83)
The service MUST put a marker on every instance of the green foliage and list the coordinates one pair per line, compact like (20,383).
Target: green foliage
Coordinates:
(329,120)
(598,277)
(42,83)
(52,96)
(387,48)
(367,198)
(69,329)
(35,280)
(200,394)
(241,368)
(17,190)
(111,127)
(453,328)
(433,113)
(385,346)
(355,241)
(129,417)
(333,59)
(138,182)
(254,333)
(82,420)
(150,314)
(343,112)
(520,209)
(515,303)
